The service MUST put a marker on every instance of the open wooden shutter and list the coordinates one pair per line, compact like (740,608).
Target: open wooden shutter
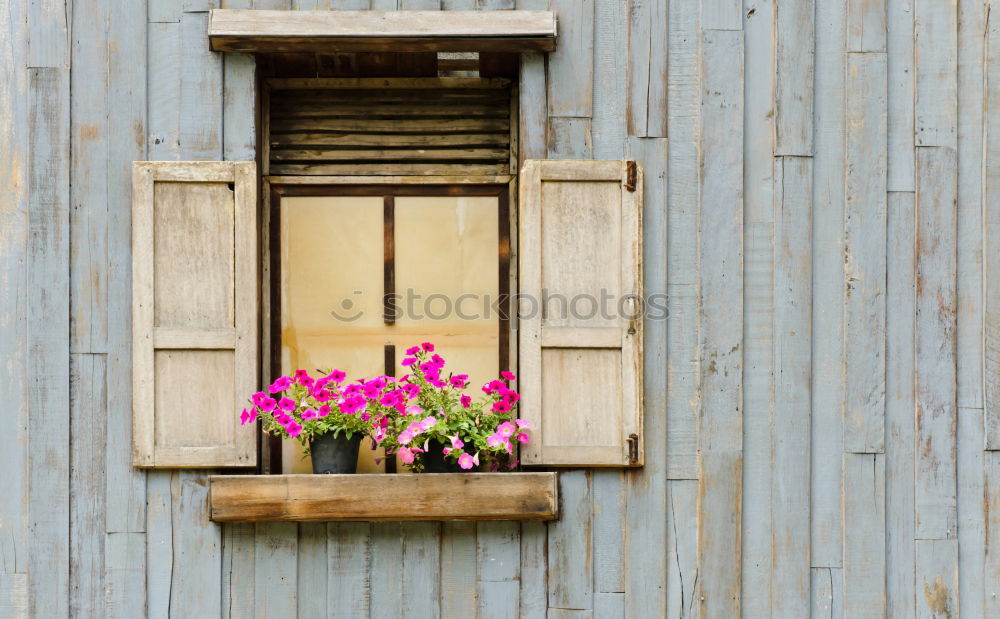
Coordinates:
(580,365)
(194,309)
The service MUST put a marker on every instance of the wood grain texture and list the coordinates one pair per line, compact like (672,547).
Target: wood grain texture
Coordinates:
(647,103)
(514,496)
(864,547)
(275,569)
(720,255)
(238,570)
(866,25)
(47,334)
(991,235)
(865,253)
(459,567)
(609,124)
(991,499)
(935,344)
(570,550)
(972,513)
(795,44)
(937,578)
(570,67)
(935,31)
(899,46)
(349,559)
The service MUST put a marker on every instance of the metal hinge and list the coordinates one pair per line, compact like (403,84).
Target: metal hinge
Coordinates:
(633,448)
(631,174)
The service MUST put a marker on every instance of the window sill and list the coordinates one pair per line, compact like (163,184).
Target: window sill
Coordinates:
(435,496)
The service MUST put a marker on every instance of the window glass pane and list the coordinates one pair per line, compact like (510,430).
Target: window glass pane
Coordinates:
(447,273)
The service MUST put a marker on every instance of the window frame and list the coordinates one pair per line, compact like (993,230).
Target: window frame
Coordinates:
(277,187)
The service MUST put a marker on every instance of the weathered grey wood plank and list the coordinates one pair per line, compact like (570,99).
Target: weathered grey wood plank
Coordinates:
(459,569)
(497,599)
(412,5)
(972,25)
(900,73)
(937,576)
(201,92)
(991,507)
(971,513)
(125,486)
(761,170)
(275,569)
(571,66)
(864,535)
(48,288)
(348,588)
(48,34)
(313,572)
(608,125)
(532,108)
(866,25)
(570,550)
(827,593)
(239,133)
(569,138)
(720,255)
(14,242)
(683,191)
(164,11)
(498,550)
(238,570)
(159,543)
(935,344)
(991,235)
(421,587)
(900,446)
(88,378)
(790,457)
(164,76)
(386,556)
(828,273)
(642,567)
(935,27)
(196,578)
(609,520)
(534,564)
(721,14)
(89,111)
(610,605)
(795,47)
(647,102)
(865,253)
(682,552)
(125,576)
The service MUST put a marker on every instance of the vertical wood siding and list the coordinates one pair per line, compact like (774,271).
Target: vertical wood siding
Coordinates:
(822,406)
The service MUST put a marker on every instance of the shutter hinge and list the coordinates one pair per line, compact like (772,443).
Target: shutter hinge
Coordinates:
(633,448)
(631,173)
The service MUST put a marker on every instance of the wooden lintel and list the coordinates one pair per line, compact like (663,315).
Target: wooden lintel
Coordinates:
(434,496)
(242,30)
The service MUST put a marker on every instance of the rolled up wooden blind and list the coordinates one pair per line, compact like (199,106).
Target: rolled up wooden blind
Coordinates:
(389,127)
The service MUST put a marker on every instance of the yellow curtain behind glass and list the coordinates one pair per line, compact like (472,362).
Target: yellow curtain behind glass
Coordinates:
(331,288)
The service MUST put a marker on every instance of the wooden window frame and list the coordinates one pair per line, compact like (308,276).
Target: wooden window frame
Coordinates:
(277,187)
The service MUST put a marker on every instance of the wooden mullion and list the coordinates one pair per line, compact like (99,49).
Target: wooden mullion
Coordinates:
(388,260)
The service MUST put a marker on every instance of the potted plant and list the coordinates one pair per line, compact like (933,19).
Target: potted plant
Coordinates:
(443,429)
(423,417)
(316,412)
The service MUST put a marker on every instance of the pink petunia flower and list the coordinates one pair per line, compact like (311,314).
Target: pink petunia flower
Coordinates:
(446,450)
(457,442)
(523,438)
(465,400)
(405,437)
(437,360)
(337,376)
(501,407)
(406,455)
(427,423)
(379,434)
(506,429)
(413,410)
(521,423)
(293,429)
(283,419)
(427,346)
(286,404)
(321,395)
(494,440)
(408,361)
(280,385)
(246,417)
(507,375)
(258,398)
(412,350)
(459,381)
(267,405)
(324,410)
(309,414)
(301,375)
(437,382)
(465,461)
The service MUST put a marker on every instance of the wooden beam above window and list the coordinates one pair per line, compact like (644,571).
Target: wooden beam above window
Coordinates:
(237,30)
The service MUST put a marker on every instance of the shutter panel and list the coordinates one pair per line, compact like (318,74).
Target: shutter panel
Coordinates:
(194,313)
(581,367)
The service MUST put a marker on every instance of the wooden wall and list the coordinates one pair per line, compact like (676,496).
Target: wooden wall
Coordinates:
(822,413)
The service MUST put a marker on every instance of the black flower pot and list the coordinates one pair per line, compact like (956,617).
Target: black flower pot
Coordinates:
(335,454)
(436,462)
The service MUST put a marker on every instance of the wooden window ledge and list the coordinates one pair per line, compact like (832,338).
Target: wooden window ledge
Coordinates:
(432,496)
